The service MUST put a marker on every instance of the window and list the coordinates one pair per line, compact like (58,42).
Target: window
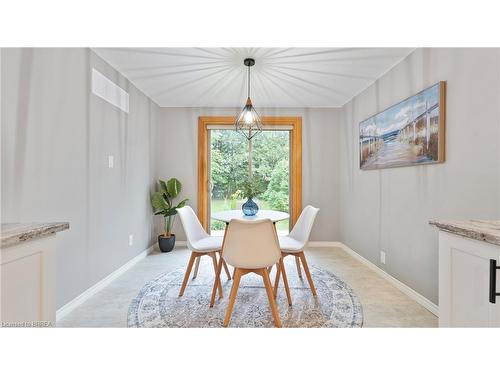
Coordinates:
(223,152)
(233,158)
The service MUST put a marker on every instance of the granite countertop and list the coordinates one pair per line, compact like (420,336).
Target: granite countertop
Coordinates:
(15,233)
(481,230)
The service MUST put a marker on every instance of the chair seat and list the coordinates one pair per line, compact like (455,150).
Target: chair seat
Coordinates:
(207,244)
(289,244)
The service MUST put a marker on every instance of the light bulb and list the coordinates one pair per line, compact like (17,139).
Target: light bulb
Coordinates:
(248,117)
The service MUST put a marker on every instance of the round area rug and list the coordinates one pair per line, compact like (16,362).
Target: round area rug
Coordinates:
(158,304)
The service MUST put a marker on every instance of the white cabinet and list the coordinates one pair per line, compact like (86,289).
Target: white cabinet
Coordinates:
(27,272)
(464,282)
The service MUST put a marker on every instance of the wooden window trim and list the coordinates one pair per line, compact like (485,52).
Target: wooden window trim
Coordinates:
(295,157)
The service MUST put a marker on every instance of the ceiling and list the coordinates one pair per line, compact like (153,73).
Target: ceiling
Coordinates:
(281,77)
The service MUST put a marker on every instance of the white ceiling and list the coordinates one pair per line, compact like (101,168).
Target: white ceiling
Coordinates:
(281,77)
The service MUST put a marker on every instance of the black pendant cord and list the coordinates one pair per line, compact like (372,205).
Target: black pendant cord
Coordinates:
(249,81)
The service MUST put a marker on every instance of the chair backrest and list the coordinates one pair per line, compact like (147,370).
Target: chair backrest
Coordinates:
(302,228)
(251,244)
(192,226)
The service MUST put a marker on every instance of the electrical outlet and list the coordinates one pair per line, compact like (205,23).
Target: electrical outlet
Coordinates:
(111,161)
(382,257)
(130,239)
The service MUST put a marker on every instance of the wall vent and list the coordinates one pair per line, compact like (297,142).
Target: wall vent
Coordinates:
(109,91)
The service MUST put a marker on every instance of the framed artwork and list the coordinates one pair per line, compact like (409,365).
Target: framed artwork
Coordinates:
(411,132)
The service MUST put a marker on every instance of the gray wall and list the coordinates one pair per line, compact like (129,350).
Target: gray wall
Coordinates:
(56,138)
(389,209)
(177,157)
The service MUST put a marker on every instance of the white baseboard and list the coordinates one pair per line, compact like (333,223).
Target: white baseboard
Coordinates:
(324,244)
(71,305)
(180,244)
(417,297)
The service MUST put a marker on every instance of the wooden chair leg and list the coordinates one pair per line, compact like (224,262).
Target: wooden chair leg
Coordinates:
(308,274)
(232,296)
(270,297)
(224,264)
(217,282)
(188,272)
(285,281)
(214,261)
(196,266)
(297,262)
(277,280)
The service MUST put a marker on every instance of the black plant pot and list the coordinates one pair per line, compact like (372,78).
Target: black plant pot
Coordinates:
(166,244)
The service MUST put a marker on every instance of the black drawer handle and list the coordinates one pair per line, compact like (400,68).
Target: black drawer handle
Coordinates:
(493,281)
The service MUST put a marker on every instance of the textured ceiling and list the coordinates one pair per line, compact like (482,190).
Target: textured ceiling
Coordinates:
(281,77)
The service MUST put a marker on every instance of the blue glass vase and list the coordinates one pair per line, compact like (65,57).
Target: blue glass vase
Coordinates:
(250,208)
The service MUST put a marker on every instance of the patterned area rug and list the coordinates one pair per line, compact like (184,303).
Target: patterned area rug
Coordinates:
(158,304)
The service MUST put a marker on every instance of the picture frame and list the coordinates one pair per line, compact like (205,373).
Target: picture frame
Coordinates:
(411,132)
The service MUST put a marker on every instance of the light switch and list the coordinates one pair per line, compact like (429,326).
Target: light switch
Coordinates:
(111,161)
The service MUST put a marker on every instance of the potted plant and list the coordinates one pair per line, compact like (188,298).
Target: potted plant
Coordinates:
(162,202)
(251,189)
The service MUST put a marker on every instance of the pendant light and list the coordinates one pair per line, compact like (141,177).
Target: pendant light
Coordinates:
(248,122)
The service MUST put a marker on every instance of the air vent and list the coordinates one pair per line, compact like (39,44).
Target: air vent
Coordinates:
(109,91)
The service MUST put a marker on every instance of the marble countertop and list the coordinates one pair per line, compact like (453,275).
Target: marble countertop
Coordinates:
(15,233)
(481,230)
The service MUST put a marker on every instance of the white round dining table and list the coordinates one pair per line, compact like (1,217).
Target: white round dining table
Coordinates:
(226,216)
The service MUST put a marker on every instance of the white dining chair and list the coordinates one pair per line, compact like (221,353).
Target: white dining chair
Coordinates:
(250,247)
(200,243)
(294,244)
